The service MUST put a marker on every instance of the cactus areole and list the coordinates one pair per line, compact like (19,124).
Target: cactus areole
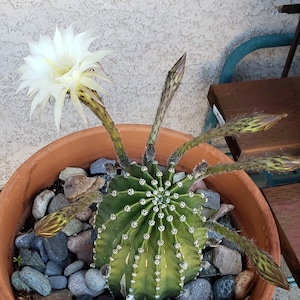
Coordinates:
(150,230)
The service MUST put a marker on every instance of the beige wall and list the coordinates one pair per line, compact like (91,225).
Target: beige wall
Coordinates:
(146,38)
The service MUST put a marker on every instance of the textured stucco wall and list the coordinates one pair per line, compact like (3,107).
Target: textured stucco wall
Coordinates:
(146,38)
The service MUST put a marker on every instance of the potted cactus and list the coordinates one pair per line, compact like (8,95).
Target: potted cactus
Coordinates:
(148,228)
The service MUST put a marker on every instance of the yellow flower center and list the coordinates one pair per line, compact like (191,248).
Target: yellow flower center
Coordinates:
(62,70)
(58,69)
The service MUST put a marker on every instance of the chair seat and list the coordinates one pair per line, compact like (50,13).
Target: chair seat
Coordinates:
(277,96)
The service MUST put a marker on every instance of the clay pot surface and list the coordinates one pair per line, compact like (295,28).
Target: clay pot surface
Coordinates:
(251,215)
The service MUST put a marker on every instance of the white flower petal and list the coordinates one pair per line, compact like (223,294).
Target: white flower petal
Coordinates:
(59,104)
(92,84)
(59,66)
(92,60)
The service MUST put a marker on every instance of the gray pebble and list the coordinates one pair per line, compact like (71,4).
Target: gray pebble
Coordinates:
(78,287)
(84,214)
(53,269)
(56,247)
(95,280)
(31,258)
(18,283)
(24,240)
(228,261)
(38,245)
(57,202)
(73,267)
(98,166)
(41,202)
(78,242)
(178,176)
(213,199)
(223,288)
(73,227)
(36,280)
(58,282)
(199,289)
(66,262)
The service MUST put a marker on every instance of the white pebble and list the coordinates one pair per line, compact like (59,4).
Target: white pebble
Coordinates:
(78,286)
(71,171)
(41,202)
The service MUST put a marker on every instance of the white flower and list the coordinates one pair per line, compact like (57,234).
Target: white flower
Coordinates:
(59,67)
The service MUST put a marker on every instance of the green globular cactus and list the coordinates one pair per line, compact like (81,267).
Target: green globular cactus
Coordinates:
(150,231)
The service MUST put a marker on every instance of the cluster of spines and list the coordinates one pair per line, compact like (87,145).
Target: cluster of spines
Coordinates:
(152,208)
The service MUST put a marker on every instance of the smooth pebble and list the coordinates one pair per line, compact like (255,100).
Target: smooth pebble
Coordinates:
(98,166)
(18,283)
(36,280)
(24,240)
(243,283)
(32,259)
(71,171)
(56,247)
(53,269)
(38,245)
(95,280)
(58,202)
(199,289)
(84,214)
(78,287)
(86,254)
(178,176)
(223,288)
(213,198)
(41,202)
(58,282)
(73,227)
(73,267)
(76,243)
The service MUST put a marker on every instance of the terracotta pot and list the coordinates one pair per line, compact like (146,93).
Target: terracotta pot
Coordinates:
(251,215)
